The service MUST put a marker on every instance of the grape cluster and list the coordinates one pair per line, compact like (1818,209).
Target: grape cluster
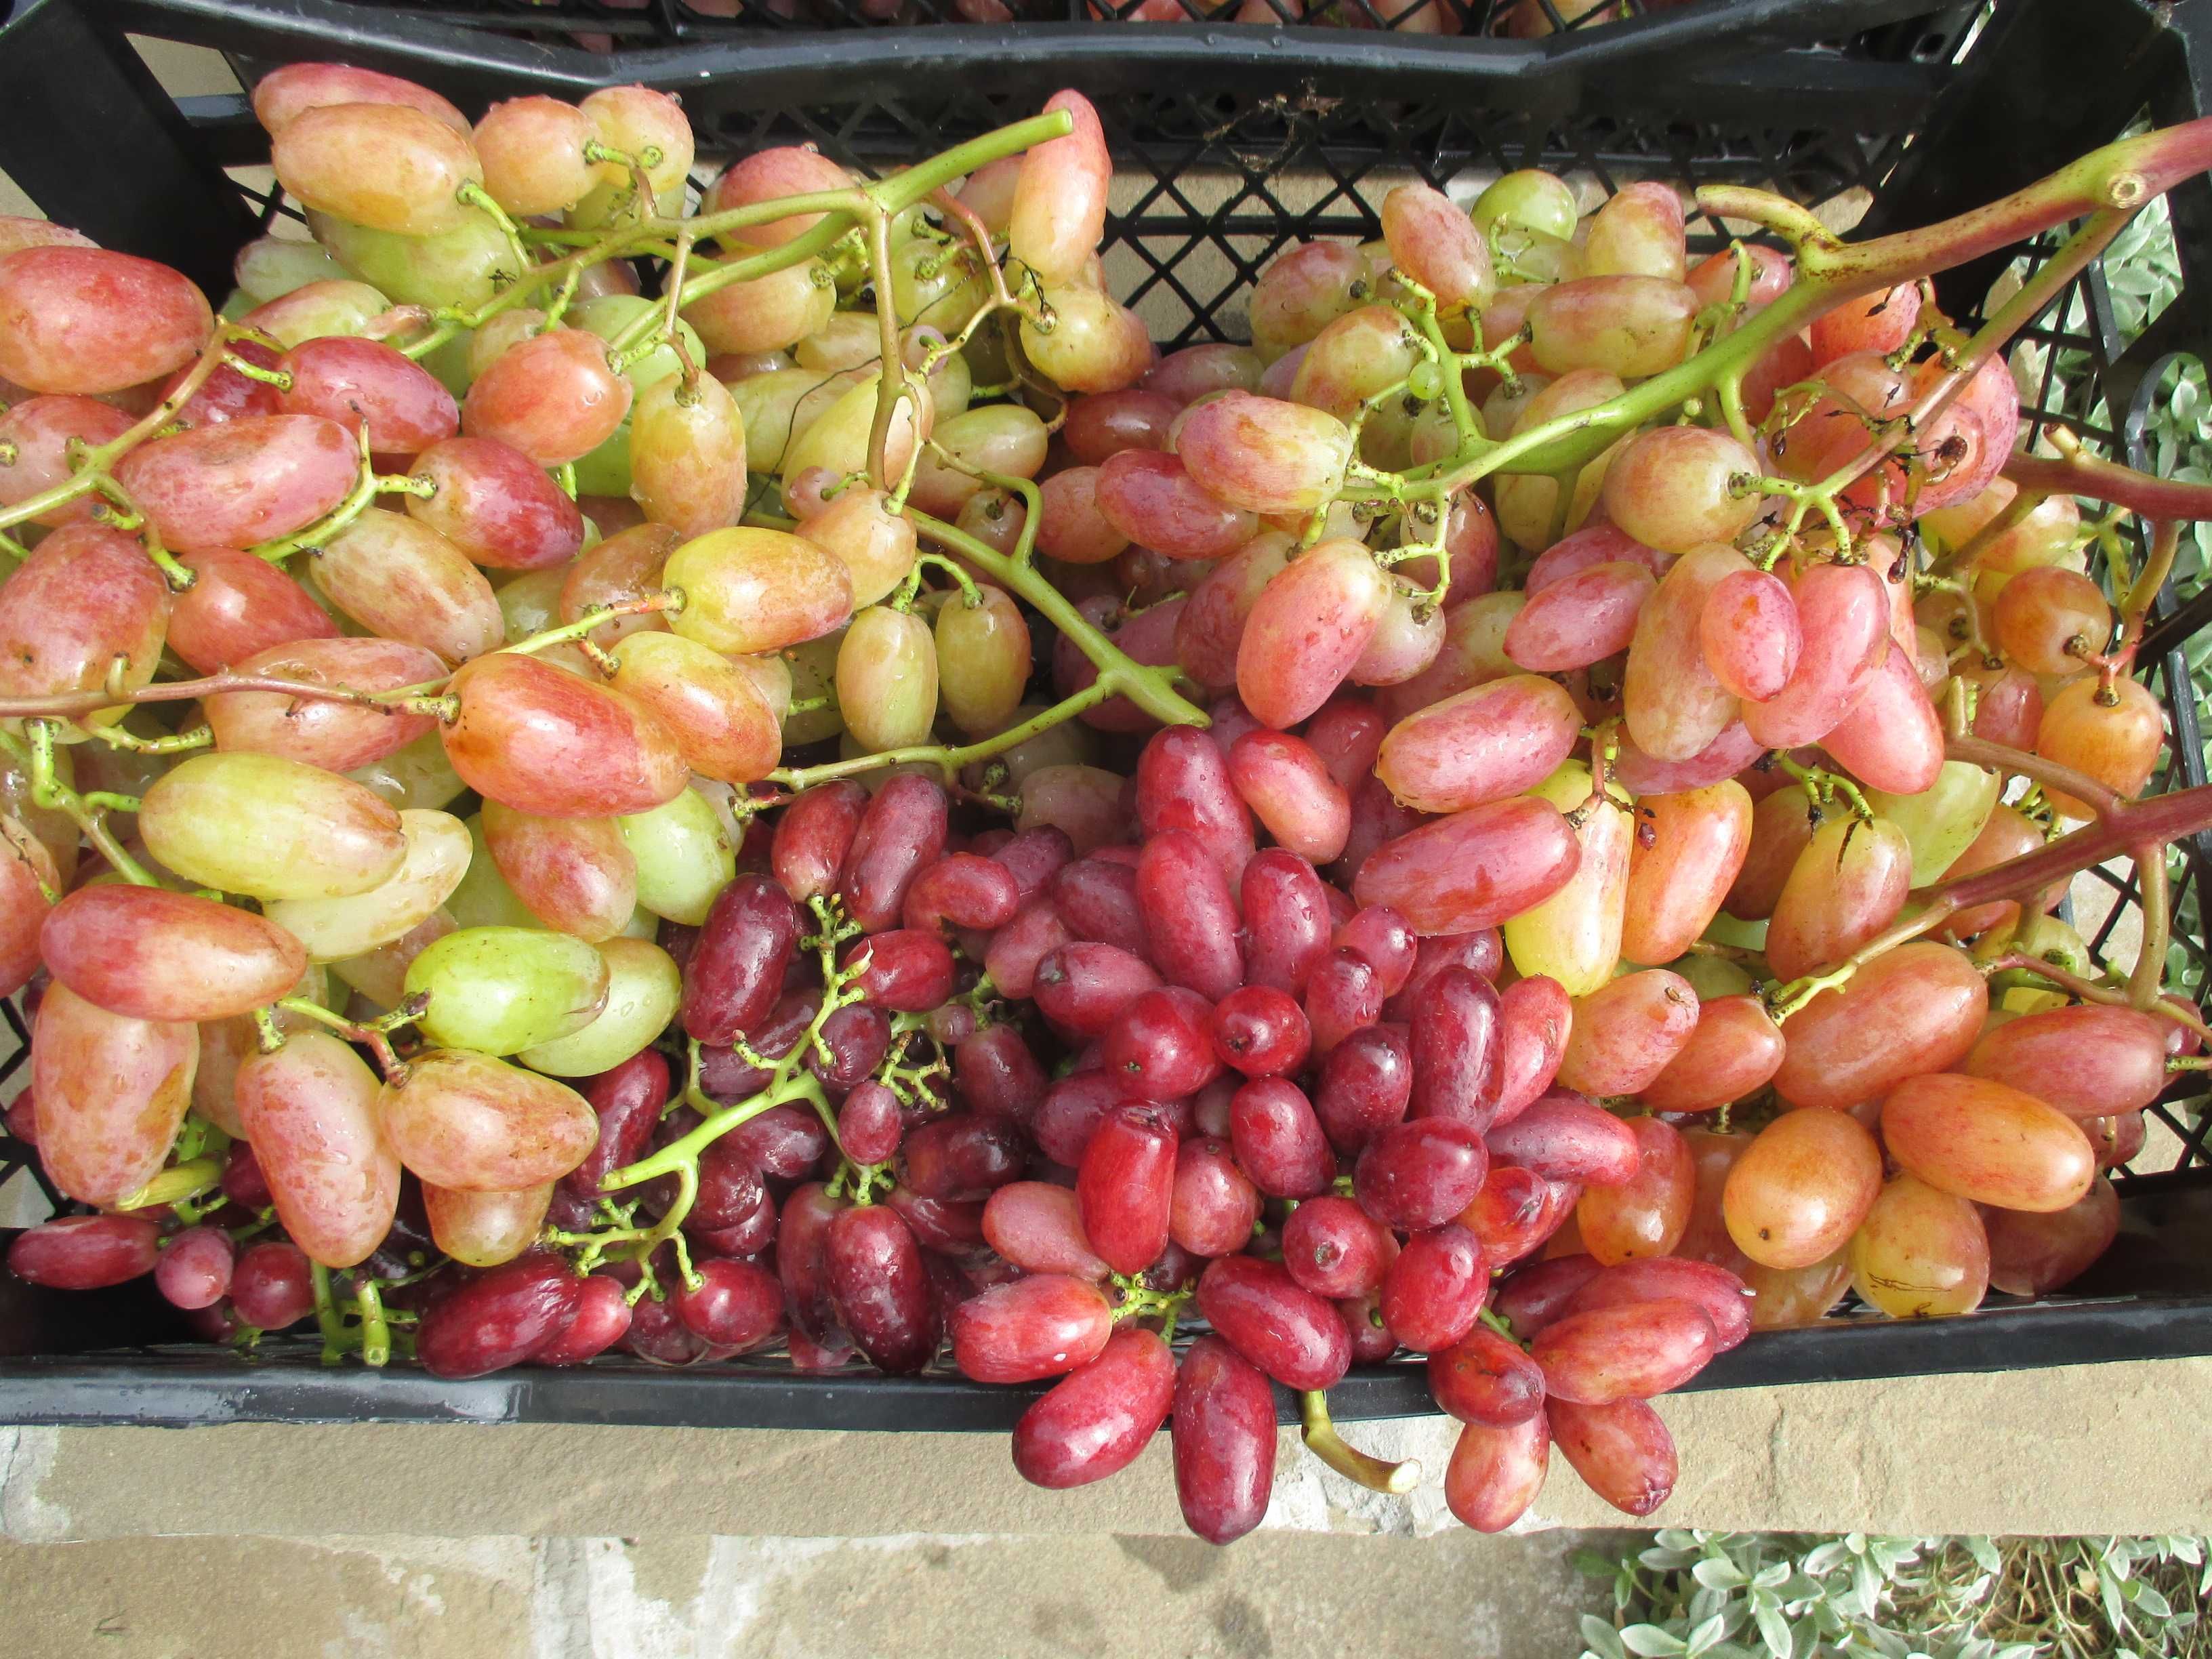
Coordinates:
(584,774)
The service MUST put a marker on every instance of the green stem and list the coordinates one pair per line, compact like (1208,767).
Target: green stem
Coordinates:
(950,760)
(1325,1443)
(376,1332)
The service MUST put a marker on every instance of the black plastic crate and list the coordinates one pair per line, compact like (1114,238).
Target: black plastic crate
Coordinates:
(1298,131)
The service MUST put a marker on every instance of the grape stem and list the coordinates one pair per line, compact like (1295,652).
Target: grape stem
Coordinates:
(948,759)
(2083,474)
(1319,1432)
(2088,990)
(1998,757)
(48,791)
(372,1034)
(180,1183)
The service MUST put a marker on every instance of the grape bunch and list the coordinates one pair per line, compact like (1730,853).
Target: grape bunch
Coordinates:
(593,769)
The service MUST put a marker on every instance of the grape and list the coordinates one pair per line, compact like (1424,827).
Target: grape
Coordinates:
(1003,438)
(468,1120)
(272,1287)
(2047,619)
(1223,1432)
(402,579)
(1263,454)
(1676,488)
(497,1318)
(757,590)
(533,151)
(42,431)
(1632,1351)
(1638,233)
(87,596)
(1214,1205)
(724,727)
(366,385)
(290,90)
(1646,1217)
(683,856)
(907,971)
(1563,1137)
(1921,1252)
(1184,783)
(1125,1188)
(1686,853)
(2031,1255)
(1289,788)
(1095,1422)
(500,989)
(1279,1140)
(603,1319)
(1782,824)
(1485,744)
(553,396)
(155,955)
(1332,1249)
(1434,1291)
(1734,1049)
(736,969)
(1581,618)
(1629,325)
(195,1267)
(1915,1009)
(1420,1174)
(1622,1451)
(1473,651)
(111,1091)
(628,1101)
(1890,737)
(1842,612)
(1486,1379)
(1454,1041)
(497,506)
(814,834)
(1433,242)
(1301,292)
(1357,357)
(1536,1294)
(1098,900)
(86,320)
(768,313)
(1847,885)
(1799,1191)
(1152,499)
(1495,1473)
(1986,1141)
(1572,933)
(1211,625)
(1344,997)
(269,828)
(389,166)
(1628,1031)
(1673,704)
(1716,1293)
(482,1230)
(90,1252)
(1474,868)
(1288,1331)
(983,661)
(328,734)
(1879,322)
(1039,1326)
(2087,1061)
(687,455)
(878,1288)
(2112,733)
(887,678)
(738,1307)
(1192,923)
(1535,1017)
(541,740)
(27,876)
(1059,209)
(644,990)
(1035,1226)
(1096,344)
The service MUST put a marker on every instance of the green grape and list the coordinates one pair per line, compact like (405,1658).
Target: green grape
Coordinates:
(1574,936)
(814,674)
(611,313)
(335,929)
(1942,820)
(269,267)
(464,266)
(483,899)
(643,991)
(605,471)
(269,828)
(887,678)
(1712,977)
(1531,198)
(684,857)
(497,990)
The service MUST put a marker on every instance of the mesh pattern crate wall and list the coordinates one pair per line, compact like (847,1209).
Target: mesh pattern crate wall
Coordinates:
(1231,144)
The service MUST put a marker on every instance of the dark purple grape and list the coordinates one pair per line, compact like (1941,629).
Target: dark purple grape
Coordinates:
(869,1126)
(1286,920)
(879,1287)
(1223,1434)
(1279,1140)
(1363,1085)
(1421,1174)
(1190,921)
(735,973)
(628,1100)
(488,1322)
(1453,1031)
(995,1072)
(858,1036)
(1435,1290)
(737,1305)
(901,832)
